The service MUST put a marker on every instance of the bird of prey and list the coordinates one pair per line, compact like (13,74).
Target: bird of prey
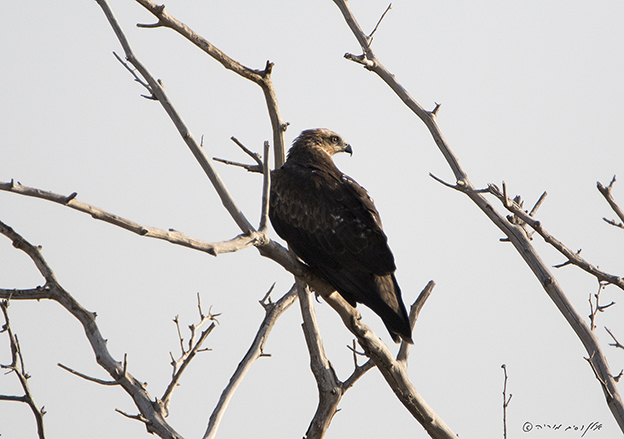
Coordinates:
(331,224)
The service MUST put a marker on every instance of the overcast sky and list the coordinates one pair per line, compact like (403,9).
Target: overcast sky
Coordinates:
(532,94)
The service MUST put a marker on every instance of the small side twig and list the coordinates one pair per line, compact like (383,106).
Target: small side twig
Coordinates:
(194,347)
(259,167)
(18,368)
(572,257)
(413,317)
(370,36)
(606,192)
(617,344)
(136,77)
(138,417)
(593,311)
(255,351)
(505,402)
(87,377)
(266,189)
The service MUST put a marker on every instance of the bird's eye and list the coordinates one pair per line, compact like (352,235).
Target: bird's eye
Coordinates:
(334,139)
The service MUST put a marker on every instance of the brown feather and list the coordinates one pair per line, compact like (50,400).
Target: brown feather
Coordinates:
(331,224)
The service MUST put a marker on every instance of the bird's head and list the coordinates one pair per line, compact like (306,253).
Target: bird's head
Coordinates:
(322,138)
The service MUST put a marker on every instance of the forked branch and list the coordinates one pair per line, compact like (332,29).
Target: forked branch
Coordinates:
(260,77)
(256,350)
(515,233)
(173,236)
(18,368)
(606,192)
(52,290)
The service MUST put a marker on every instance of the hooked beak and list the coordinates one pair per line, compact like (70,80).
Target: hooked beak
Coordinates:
(348,149)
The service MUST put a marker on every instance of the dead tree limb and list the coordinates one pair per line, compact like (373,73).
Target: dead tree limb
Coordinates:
(256,350)
(514,233)
(52,290)
(198,152)
(173,236)
(260,77)
(573,257)
(606,192)
(329,386)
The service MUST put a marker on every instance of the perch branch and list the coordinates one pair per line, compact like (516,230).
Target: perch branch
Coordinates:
(330,388)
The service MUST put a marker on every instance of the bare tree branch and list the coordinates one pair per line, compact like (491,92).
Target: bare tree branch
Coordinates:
(515,233)
(18,368)
(87,377)
(52,290)
(199,152)
(329,386)
(256,350)
(260,77)
(617,344)
(394,372)
(606,192)
(413,317)
(593,312)
(266,189)
(573,258)
(195,342)
(173,236)
(506,402)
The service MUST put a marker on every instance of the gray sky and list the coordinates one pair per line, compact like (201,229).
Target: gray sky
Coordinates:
(531,93)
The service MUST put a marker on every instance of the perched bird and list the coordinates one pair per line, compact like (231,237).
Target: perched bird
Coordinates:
(331,224)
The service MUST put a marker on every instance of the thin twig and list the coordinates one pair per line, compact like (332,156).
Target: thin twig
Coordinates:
(136,77)
(87,377)
(538,203)
(180,365)
(370,36)
(18,368)
(250,168)
(606,192)
(260,77)
(413,317)
(266,188)
(255,351)
(506,402)
(617,344)
(254,155)
(572,257)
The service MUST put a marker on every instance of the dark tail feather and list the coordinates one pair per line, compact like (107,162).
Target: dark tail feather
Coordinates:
(391,309)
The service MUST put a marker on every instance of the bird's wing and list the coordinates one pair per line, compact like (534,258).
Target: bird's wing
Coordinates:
(329,221)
